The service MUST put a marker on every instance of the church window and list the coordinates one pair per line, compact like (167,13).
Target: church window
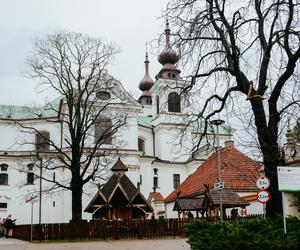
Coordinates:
(42,139)
(3,176)
(174,102)
(176,180)
(103,130)
(141,145)
(103,95)
(3,167)
(30,174)
(3,205)
(3,179)
(157,105)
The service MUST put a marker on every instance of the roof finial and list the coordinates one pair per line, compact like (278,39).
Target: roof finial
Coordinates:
(167,32)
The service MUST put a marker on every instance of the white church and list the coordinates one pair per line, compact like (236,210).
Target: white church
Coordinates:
(157,141)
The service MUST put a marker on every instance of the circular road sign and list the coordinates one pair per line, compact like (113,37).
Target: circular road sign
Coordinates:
(263,196)
(263,183)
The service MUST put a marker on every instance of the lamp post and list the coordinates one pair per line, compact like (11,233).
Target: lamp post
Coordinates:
(40,188)
(217,123)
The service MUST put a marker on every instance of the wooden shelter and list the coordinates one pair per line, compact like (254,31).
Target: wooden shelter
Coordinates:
(209,204)
(119,198)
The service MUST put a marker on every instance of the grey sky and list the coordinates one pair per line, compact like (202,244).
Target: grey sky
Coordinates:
(129,23)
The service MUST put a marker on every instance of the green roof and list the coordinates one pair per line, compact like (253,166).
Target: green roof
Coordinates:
(198,126)
(27,112)
(145,121)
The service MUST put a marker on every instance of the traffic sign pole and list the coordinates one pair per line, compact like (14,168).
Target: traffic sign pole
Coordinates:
(283,211)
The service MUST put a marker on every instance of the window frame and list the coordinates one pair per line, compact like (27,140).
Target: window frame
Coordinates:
(174,103)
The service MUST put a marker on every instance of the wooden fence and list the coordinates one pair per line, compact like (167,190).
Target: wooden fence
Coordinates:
(102,230)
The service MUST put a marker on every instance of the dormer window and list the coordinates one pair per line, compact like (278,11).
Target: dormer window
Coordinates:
(103,95)
(174,102)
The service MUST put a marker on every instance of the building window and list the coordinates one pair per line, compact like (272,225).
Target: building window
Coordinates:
(176,180)
(141,145)
(3,167)
(3,179)
(42,139)
(103,129)
(155,182)
(174,102)
(30,174)
(54,178)
(30,178)
(30,166)
(157,105)
(103,95)
(3,205)
(141,179)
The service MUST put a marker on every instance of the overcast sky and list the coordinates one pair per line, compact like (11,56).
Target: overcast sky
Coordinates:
(129,23)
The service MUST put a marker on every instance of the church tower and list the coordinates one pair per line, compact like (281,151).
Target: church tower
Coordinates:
(169,106)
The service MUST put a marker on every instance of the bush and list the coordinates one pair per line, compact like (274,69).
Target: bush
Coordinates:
(244,234)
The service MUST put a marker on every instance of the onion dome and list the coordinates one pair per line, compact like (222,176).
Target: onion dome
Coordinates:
(146,83)
(168,55)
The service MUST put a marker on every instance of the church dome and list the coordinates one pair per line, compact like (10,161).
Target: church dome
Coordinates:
(168,55)
(146,83)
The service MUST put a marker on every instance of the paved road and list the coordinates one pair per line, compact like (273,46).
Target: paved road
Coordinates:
(155,244)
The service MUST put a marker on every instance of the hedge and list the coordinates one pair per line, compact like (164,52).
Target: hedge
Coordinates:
(253,234)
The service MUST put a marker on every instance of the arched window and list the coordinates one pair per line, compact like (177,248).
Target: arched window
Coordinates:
(141,145)
(103,128)
(174,102)
(157,105)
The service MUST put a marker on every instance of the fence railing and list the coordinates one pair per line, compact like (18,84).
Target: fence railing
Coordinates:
(102,230)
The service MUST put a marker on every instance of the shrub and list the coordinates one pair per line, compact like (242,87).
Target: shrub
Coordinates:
(244,234)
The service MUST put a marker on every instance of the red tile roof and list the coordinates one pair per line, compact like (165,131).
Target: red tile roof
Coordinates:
(250,197)
(238,172)
(156,196)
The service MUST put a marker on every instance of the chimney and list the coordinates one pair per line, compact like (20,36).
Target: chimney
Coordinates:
(229,144)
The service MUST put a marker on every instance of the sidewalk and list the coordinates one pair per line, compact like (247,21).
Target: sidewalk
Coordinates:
(149,244)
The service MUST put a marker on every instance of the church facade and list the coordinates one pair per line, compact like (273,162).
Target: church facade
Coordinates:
(156,145)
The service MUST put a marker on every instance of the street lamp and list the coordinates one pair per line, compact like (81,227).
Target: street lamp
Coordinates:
(217,123)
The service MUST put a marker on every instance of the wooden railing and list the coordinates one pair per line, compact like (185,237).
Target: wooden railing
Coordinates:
(103,229)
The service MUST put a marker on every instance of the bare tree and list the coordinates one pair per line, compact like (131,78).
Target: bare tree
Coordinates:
(73,66)
(246,52)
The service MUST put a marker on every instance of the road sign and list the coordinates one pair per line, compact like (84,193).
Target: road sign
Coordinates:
(288,179)
(263,183)
(219,185)
(31,199)
(243,212)
(263,196)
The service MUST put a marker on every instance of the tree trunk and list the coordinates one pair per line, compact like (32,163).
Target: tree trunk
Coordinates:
(267,137)
(76,189)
